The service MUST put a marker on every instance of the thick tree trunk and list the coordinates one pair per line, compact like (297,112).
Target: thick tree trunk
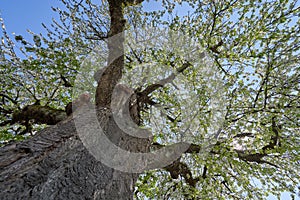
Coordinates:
(54,164)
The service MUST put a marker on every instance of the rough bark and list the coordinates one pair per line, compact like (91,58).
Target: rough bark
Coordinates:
(54,164)
(113,72)
(40,114)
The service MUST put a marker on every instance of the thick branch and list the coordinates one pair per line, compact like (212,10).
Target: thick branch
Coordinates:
(178,168)
(113,72)
(40,114)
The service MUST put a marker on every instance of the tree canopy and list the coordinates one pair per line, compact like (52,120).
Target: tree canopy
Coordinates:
(223,76)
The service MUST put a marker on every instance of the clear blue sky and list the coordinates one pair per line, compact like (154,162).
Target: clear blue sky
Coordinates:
(20,15)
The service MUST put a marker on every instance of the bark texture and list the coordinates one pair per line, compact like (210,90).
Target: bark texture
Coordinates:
(54,164)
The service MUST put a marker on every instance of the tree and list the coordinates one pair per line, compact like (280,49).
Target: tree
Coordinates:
(246,145)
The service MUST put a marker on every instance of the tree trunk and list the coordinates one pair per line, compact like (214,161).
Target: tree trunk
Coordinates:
(54,164)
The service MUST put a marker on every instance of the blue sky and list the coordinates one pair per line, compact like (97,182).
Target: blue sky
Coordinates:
(20,15)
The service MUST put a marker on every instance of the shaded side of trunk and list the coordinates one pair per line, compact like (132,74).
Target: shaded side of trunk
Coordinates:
(54,164)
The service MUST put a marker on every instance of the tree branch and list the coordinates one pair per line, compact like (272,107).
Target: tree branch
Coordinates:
(113,72)
(178,168)
(143,96)
(40,114)
(9,98)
